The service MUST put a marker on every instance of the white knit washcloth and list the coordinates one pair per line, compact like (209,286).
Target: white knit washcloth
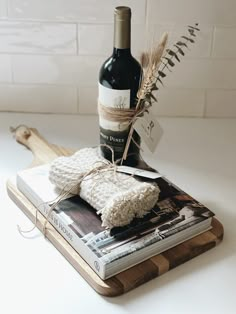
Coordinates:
(118,197)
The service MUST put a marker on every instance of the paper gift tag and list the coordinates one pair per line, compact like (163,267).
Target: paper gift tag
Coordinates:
(139,172)
(149,130)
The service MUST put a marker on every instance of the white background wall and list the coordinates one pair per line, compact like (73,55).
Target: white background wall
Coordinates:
(51,52)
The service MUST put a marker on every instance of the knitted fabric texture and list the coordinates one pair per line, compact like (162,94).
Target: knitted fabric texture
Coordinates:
(118,197)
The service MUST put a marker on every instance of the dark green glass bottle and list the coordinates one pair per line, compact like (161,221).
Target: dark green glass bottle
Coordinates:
(119,80)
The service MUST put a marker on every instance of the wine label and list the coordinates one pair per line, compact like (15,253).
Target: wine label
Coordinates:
(113,133)
(115,139)
(115,98)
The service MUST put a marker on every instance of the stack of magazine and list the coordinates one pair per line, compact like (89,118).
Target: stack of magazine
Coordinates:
(175,218)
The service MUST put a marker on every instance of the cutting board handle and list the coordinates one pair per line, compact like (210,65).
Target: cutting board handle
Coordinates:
(41,149)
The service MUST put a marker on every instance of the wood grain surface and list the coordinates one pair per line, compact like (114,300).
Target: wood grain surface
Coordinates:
(127,280)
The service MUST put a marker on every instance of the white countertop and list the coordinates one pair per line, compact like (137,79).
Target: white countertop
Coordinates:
(198,155)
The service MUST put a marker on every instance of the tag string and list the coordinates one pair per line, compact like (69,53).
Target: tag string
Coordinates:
(98,167)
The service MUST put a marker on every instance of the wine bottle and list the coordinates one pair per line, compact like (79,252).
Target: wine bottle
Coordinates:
(119,80)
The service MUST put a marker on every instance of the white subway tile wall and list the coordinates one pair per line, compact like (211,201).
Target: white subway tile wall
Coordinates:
(38,38)
(36,98)
(3,8)
(5,69)
(79,11)
(61,70)
(51,52)
(221,103)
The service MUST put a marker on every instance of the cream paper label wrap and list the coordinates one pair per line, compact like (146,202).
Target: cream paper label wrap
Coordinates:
(113,133)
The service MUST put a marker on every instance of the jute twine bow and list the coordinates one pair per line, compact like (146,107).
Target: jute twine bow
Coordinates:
(98,167)
(123,115)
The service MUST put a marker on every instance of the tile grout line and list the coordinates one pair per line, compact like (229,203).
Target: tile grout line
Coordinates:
(56,54)
(12,73)
(205,104)
(146,17)
(78,105)
(7,9)
(77,39)
(212,41)
(9,20)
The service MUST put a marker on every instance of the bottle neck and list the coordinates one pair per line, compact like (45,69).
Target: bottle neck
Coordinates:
(117,52)
(122,32)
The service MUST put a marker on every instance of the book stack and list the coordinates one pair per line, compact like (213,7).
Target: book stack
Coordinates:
(175,218)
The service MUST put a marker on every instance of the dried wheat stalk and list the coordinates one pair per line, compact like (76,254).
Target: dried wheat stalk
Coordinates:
(154,64)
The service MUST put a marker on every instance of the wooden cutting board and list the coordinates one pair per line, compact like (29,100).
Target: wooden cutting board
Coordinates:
(127,280)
